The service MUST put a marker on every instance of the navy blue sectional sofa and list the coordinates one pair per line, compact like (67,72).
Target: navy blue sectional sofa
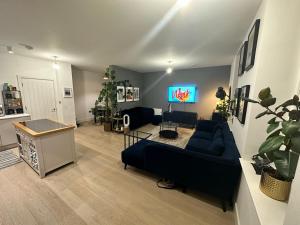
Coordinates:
(209,163)
(139,116)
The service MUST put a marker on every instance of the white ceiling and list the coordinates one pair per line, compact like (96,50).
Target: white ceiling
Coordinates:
(137,34)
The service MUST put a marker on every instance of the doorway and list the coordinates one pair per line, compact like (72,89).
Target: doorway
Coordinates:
(39,98)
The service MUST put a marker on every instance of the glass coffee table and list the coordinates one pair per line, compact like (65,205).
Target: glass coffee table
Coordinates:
(168,130)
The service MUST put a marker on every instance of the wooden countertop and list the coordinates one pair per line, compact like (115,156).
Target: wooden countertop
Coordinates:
(59,127)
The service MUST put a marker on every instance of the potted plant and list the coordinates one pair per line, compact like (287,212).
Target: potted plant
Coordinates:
(223,104)
(282,146)
(108,95)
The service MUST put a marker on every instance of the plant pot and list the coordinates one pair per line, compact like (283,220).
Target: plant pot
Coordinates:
(273,187)
(107,126)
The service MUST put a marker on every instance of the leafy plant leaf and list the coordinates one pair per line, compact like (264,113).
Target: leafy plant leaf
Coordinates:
(290,128)
(286,164)
(268,102)
(275,133)
(264,93)
(272,121)
(272,127)
(296,143)
(271,144)
(262,114)
(250,100)
(294,115)
(285,104)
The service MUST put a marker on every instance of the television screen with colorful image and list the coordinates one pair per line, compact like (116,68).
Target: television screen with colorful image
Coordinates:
(182,94)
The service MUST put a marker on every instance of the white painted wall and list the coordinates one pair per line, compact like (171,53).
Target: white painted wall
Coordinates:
(277,66)
(87,86)
(12,67)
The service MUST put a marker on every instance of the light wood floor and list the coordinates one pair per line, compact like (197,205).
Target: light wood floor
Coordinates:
(97,190)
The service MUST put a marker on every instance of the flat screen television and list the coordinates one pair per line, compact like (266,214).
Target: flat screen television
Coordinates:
(182,94)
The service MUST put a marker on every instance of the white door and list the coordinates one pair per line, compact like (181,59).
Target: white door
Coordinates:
(39,98)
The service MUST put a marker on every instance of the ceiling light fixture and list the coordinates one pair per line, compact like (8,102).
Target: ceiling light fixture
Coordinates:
(184,2)
(55,63)
(9,50)
(169,69)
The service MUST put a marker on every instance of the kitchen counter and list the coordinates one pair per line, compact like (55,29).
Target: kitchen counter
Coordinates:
(42,127)
(8,138)
(45,145)
(13,116)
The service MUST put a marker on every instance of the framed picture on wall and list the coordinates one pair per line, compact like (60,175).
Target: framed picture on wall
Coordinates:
(136,94)
(236,104)
(129,94)
(252,43)
(120,94)
(245,90)
(243,56)
(68,92)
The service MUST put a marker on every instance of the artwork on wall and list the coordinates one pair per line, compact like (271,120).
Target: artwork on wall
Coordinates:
(68,93)
(243,56)
(252,43)
(236,103)
(136,94)
(120,94)
(244,93)
(129,94)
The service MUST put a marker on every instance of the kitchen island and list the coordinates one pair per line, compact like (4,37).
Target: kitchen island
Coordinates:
(45,145)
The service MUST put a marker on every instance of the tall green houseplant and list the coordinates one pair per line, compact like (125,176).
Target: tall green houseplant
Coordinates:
(108,94)
(282,146)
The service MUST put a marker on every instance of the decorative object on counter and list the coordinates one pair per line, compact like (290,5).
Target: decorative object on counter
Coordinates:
(282,146)
(244,93)
(136,94)
(129,94)
(223,104)
(252,43)
(109,95)
(68,92)
(12,100)
(242,61)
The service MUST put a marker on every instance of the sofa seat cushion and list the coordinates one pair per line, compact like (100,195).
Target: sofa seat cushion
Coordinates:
(134,155)
(203,135)
(210,147)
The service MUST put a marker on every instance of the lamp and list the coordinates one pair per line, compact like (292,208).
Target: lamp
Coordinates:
(221,94)
(55,64)
(169,69)
(9,50)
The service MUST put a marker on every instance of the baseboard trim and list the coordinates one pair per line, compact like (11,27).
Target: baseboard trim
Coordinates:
(236,215)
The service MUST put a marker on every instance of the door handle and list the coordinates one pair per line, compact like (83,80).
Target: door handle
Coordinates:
(53,110)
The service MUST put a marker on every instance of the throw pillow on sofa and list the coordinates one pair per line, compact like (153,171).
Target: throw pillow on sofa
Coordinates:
(217,146)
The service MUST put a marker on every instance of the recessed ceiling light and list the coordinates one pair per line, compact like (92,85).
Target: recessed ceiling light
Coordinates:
(9,50)
(169,70)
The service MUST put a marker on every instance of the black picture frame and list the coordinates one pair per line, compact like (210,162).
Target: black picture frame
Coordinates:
(242,60)
(252,44)
(245,90)
(236,104)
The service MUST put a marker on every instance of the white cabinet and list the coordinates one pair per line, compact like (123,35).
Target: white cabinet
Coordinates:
(8,137)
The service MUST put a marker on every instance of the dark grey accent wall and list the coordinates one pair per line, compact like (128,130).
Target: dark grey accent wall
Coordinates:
(154,93)
(135,78)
